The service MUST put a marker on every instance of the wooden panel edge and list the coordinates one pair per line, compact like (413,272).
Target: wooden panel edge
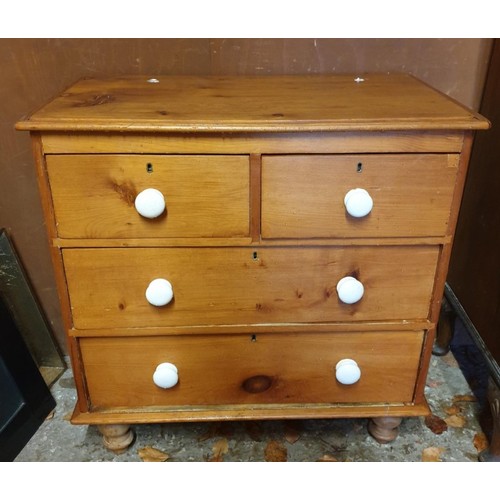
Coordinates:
(446,141)
(255,197)
(242,413)
(244,241)
(402,326)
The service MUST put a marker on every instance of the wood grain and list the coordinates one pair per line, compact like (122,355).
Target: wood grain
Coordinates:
(303,196)
(438,141)
(204,413)
(255,325)
(257,104)
(212,369)
(206,196)
(247,286)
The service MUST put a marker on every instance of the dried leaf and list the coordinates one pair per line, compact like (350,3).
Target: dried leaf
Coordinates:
(436,424)
(455,421)
(480,442)
(275,452)
(50,416)
(219,449)
(150,454)
(293,431)
(464,398)
(432,454)
(217,429)
(327,458)
(453,410)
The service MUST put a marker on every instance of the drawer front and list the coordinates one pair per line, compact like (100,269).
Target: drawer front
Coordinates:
(94,195)
(303,196)
(241,369)
(247,285)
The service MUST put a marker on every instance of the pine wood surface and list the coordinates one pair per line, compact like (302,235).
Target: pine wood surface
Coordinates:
(213,370)
(303,196)
(341,326)
(151,415)
(260,252)
(422,141)
(273,103)
(206,196)
(245,286)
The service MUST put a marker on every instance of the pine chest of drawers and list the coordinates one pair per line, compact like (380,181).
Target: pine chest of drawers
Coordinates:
(250,247)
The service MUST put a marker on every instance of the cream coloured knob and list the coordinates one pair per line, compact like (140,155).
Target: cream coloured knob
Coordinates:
(347,371)
(159,292)
(350,290)
(150,203)
(166,375)
(358,202)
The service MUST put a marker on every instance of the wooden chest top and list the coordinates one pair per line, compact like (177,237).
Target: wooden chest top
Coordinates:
(252,104)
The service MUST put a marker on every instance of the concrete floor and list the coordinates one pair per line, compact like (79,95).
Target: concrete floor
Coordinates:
(454,434)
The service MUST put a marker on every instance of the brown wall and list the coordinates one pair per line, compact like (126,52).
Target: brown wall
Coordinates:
(35,70)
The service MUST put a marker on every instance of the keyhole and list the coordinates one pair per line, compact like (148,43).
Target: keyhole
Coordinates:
(149,168)
(253,338)
(359,168)
(255,256)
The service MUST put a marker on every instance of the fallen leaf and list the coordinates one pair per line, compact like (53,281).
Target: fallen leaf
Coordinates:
(150,454)
(50,416)
(327,458)
(455,421)
(217,429)
(464,398)
(219,449)
(275,452)
(432,454)
(453,410)
(480,441)
(436,424)
(293,431)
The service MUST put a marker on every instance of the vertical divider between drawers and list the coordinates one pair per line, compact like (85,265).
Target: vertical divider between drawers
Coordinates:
(255,196)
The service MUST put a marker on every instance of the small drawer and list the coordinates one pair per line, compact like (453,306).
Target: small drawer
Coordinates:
(96,196)
(246,369)
(154,287)
(387,195)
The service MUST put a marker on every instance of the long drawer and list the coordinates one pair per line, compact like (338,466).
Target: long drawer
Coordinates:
(247,285)
(245,369)
(94,195)
(303,195)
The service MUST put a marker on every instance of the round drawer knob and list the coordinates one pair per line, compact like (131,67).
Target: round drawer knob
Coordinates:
(159,292)
(150,203)
(358,202)
(347,371)
(166,375)
(350,290)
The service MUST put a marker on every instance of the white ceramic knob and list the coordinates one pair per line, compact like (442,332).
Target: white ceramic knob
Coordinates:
(347,371)
(159,292)
(350,290)
(166,375)
(150,203)
(358,202)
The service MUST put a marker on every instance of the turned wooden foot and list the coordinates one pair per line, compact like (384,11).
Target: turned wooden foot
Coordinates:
(384,429)
(492,453)
(116,438)
(444,329)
